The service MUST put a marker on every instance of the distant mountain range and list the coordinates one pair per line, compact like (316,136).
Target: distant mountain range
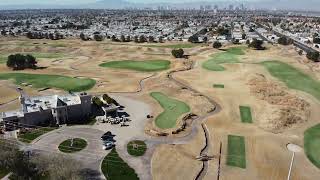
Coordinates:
(312,5)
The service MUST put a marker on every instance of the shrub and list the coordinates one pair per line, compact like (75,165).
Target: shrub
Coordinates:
(19,61)
(97,101)
(193,39)
(217,45)
(284,41)
(177,53)
(313,55)
(257,44)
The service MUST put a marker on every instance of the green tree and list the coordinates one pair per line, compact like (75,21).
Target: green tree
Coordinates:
(313,55)
(193,39)
(217,45)
(257,44)
(177,53)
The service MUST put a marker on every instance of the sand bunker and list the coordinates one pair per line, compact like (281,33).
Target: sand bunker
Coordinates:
(287,109)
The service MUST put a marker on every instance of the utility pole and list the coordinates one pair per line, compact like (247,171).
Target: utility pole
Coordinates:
(291,164)
(219,166)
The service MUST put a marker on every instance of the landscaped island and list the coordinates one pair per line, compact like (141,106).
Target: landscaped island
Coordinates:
(173,109)
(72,145)
(113,167)
(136,148)
(146,66)
(50,81)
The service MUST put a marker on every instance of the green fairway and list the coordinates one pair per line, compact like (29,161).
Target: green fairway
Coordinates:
(50,81)
(230,56)
(46,55)
(173,109)
(114,168)
(33,134)
(218,86)
(293,78)
(312,144)
(72,145)
(236,151)
(147,66)
(245,113)
(136,148)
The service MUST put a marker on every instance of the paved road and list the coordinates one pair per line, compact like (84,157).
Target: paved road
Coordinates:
(90,157)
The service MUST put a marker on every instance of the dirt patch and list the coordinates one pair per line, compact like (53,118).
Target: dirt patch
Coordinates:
(288,108)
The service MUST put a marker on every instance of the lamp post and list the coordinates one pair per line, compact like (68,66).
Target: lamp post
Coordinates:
(294,149)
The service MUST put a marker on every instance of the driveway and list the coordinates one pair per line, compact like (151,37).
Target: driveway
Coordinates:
(90,157)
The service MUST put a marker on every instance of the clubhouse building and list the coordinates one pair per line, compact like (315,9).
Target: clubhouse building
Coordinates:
(52,110)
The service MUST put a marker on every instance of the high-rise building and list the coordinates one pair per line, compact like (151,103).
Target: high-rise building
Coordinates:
(230,7)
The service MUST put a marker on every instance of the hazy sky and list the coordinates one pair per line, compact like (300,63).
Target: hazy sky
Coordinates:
(11,2)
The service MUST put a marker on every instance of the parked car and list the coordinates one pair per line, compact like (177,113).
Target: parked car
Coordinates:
(106,136)
(107,145)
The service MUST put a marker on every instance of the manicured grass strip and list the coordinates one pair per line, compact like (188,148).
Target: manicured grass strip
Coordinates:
(173,109)
(33,134)
(114,168)
(218,86)
(230,56)
(312,144)
(236,151)
(51,81)
(77,145)
(149,65)
(293,77)
(136,148)
(245,113)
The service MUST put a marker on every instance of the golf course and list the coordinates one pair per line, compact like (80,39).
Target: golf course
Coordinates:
(173,109)
(229,56)
(144,66)
(50,81)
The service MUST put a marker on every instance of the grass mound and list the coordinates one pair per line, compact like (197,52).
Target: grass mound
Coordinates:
(173,109)
(68,146)
(114,168)
(28,137)
(147,66)
(312,144)
(230,56)
(245,113)
(236,151)
(50,81)
(293,78)
(136,148)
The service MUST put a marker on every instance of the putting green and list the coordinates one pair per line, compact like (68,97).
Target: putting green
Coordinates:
(312,144)
(149,65)
(293,78)
(50,81)
(236,151)
(173,109)
(230,56)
